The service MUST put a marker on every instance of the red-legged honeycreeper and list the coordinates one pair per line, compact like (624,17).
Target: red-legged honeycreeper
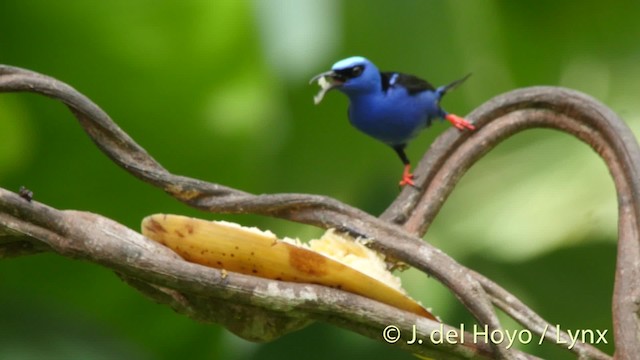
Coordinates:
(389,106)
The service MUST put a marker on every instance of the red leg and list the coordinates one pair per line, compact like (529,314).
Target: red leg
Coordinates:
(407,176)
(459,122)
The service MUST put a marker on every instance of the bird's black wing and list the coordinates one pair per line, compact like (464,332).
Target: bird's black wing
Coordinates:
(413,84)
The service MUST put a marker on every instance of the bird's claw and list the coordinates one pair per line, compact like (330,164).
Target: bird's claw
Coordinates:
(407,181)
(459,123)
(407,177)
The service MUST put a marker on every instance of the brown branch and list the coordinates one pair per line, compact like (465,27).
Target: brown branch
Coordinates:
(443,165)
(216,296)
(310,209)
(565,110)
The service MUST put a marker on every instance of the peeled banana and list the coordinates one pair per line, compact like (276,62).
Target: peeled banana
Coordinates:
(333,260)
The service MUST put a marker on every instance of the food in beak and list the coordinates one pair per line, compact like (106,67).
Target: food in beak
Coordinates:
(326,81)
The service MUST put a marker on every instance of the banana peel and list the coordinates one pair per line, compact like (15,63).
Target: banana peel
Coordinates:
(330,261)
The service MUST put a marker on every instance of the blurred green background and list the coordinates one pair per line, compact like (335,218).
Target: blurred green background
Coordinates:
(218,90)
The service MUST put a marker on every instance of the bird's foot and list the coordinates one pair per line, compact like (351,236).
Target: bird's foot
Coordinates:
(407,177)
(459,122)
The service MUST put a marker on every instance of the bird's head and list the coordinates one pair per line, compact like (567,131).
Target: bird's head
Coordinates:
(353,75)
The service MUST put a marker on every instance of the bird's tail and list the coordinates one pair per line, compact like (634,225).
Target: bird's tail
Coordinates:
(446,88)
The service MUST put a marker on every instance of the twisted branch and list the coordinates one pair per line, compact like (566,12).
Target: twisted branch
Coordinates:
(397,232)
(542,107)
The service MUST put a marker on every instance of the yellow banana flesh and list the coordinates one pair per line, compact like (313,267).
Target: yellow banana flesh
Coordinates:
(234,248)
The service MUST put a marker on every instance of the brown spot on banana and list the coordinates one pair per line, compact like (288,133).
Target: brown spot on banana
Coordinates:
(308,262)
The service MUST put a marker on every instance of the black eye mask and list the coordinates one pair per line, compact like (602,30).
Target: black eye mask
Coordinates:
(349,73)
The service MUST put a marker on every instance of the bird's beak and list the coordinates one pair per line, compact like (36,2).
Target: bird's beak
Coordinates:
(332,75)
(328,80)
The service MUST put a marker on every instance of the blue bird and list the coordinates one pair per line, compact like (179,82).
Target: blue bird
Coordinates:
(389,106)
